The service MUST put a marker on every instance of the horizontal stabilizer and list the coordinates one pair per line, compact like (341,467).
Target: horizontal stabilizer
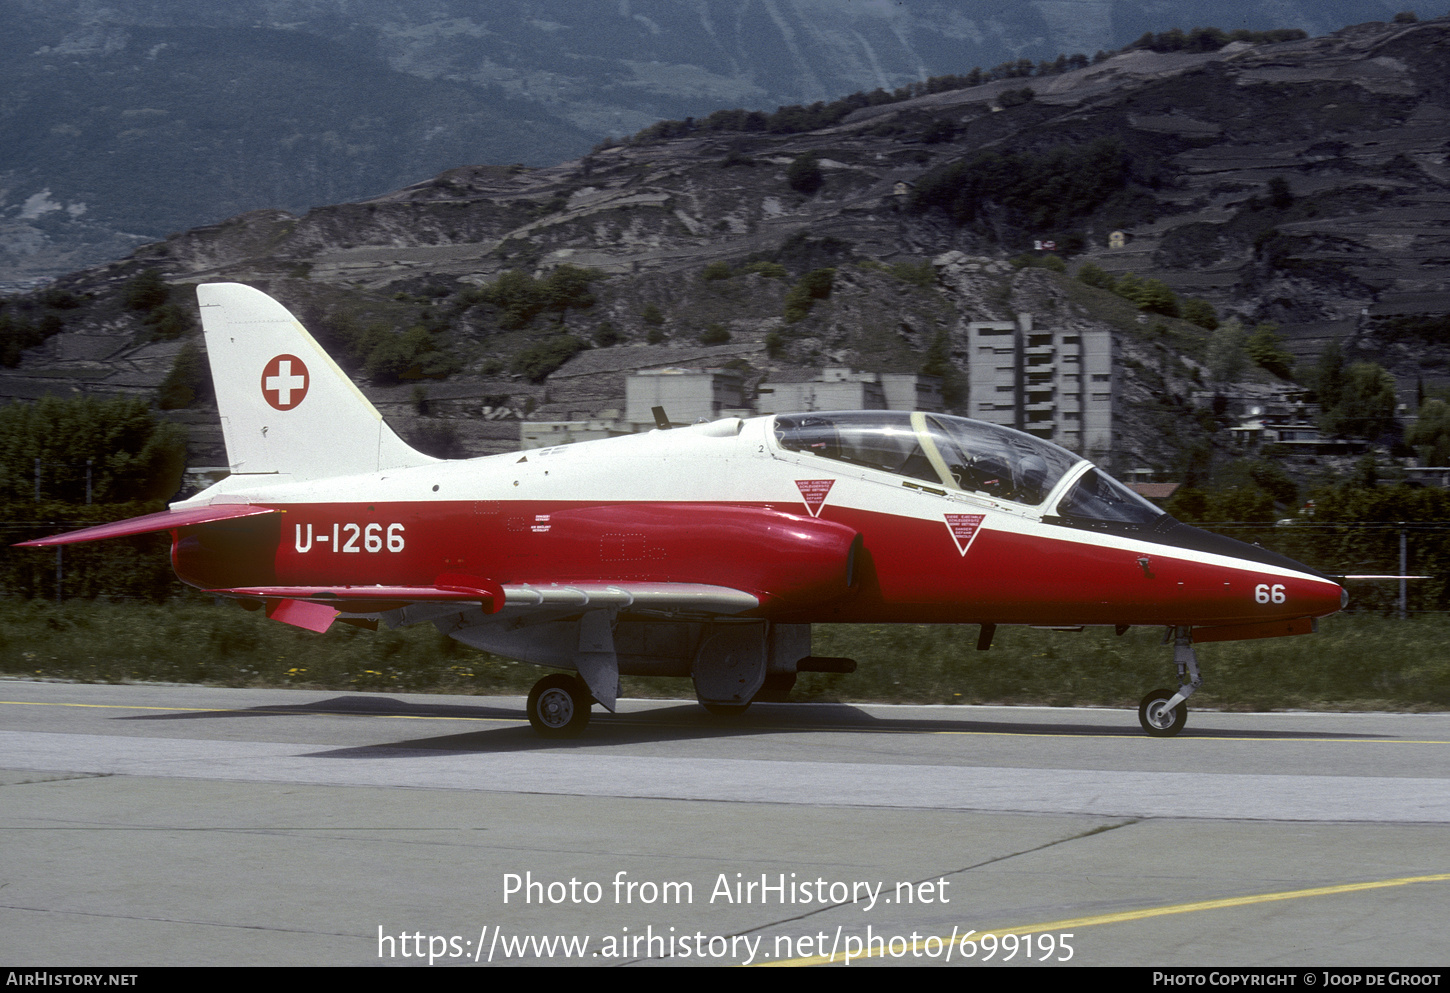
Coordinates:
(166,520)
(301,614)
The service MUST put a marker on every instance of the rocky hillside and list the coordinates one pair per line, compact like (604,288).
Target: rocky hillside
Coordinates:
(122,121)
(1304,183)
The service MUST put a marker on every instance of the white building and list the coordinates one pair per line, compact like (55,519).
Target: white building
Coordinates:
(1055,384)
(843,389)
(687,395)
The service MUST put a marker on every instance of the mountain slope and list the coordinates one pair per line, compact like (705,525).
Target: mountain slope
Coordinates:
(1303,182)
(124,121)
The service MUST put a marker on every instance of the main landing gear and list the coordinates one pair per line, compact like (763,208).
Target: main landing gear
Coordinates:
(559,706)
(1164,712)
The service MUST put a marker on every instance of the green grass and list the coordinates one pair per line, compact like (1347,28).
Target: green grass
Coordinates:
(1355,662)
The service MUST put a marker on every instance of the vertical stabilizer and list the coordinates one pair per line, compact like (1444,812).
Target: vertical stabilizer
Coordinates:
(286,408)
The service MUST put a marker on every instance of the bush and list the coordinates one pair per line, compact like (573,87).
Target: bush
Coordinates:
(921,274)
(1035,260)
(538,360)
(170,321)
(1094,275)
(769,270)
(1199,311)
(147,291)
(1155,297)
(814,285)
(717,270)
(715,334)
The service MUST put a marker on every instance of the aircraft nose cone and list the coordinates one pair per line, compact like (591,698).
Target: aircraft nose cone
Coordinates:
(1308,595)
(1304,592)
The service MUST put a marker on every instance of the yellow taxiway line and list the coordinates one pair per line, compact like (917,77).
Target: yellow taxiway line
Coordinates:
(1145,913)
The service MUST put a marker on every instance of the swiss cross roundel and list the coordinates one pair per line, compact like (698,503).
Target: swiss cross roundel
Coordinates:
(285,381)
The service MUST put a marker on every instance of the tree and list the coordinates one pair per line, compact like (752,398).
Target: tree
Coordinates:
(1430,434)
(132,455)
(521,298)
(1155,297)
(1328,376)
(186,382)
(1266,349)
(939,363)
(1280,196)
(804,174)
(1226,355)
(1366,407)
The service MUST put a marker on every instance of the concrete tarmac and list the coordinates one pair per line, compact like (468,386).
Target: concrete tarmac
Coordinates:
(175,825)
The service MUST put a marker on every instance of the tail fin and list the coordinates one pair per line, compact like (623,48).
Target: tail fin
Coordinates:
(286,408)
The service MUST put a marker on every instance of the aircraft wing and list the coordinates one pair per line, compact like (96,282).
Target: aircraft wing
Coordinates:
(166,520)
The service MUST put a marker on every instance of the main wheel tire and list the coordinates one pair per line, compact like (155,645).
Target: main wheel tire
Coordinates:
(776,688)
(559,706)
(725,709)
(1157,721)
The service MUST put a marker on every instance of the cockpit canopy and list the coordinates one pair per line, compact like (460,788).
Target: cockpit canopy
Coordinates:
(963,455)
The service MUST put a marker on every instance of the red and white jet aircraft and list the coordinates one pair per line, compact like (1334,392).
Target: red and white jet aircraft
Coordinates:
(706,551)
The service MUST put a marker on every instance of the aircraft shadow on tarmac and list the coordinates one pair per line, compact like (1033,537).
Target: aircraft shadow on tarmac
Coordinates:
(685,721)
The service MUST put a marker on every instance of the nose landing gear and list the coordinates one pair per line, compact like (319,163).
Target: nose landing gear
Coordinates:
(1162,713)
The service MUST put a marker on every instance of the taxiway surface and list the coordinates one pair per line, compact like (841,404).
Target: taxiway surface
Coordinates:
(184,825)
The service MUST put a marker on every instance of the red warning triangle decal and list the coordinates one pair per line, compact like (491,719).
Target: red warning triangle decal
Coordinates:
(814,491)
(964,529)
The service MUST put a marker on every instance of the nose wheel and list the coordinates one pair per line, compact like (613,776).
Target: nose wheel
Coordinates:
(559,705)
(1157,718)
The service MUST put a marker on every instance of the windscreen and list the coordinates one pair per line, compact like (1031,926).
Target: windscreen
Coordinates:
(1099,497)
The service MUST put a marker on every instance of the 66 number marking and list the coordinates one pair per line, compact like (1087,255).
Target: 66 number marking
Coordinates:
(346,538)
(1264,593)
